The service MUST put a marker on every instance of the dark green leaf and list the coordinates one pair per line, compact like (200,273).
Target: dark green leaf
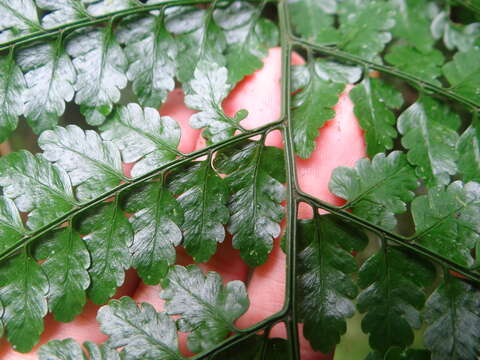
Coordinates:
(364,27)
(11,226)
(463,74)
(393,283)
(446,220)
(155,222)
(256,348)
(468,148)
(454,35)
(326,289)
(101,67)
(429,133)
(378,189)
(109,234)
(151,52)
(19,17)
(12,86)
(142,332)
(37,187)
(203,197)
(318,25)
(312,107)
(68,349)
(61,11)
(255,177)
(452,313)
(66,260)
(94,165)
(374,99)
(23,288)
(49,75)
(397,353)
(426,66)
(143,137)
(207,308)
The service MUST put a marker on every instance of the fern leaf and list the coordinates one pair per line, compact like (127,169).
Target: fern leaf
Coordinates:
(11,226)
(61,11)
(19,17)
(68,349)
(468,149)
(463,74)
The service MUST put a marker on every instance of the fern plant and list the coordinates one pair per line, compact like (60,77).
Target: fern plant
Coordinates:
(64,230)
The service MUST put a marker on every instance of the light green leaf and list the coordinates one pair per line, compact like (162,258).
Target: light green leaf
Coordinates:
(19,17)
(427,65)
(37,187)
(49,75)
(142,332)
(65,260)
(61,12)
(109,234)
(412,23)
(156,219)
(374,100)
(143,137)
(463,74)
(23,288)
(94,165)
(11,226)
(429,133)
(151,51)
(364,27)
(207,307)
(454,35)
(68,349)
(378,189)
(312,108)
(255,178)
(102,7)
(468,149)
(325,286)
(392,297)
(452,313)
(446,220)
(12,87)
(101,67)
(203,195)
(208,89)
(318,25)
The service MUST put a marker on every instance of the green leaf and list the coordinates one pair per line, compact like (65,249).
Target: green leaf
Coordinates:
(65,260)
(455,35)
(453,317)
(255,176)
(94,165)
(392,297)
(425,65)
(412,23)
(312,108)
(102,7)
(143,137)
(11,226)
(109,234)
(468,149)
(207,308)
(318,25)
(207,90)
(446,220)
(429,133)
(256,348)
(463,74)
(378,189)
(151,51)
(68,349)
(37,187)
(364,27)
(142,332)
(49,75)
(61,12)
(19,17)
(373,101)
(12,87)
(23,288)
(326,289)
(156,219)
(203,196)
(101,67)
